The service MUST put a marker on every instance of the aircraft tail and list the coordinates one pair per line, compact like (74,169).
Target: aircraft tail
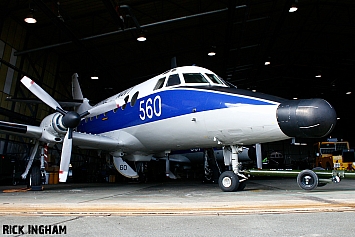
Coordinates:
(78,95)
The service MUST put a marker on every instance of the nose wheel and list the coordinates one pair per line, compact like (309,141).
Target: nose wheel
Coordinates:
(228,181)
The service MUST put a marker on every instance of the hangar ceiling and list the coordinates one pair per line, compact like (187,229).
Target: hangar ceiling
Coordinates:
(98,37)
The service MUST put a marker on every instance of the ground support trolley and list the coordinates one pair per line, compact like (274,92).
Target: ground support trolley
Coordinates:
(306,179)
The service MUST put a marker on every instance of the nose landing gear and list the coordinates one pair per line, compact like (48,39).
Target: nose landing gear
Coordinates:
(232,180)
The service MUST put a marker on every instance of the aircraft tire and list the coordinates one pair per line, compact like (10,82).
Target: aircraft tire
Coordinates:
(241,186)
(307,180)
(35,175)
(228,181)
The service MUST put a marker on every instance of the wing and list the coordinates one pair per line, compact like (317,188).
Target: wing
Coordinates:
(63,103)
(91,141)
(20,129)
(83,140)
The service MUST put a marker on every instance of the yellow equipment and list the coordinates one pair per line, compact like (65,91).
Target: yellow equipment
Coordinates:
(334,155)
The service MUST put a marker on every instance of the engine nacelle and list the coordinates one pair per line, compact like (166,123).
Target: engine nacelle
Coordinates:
(53,128)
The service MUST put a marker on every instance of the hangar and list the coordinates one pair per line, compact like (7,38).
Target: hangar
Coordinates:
(257,45)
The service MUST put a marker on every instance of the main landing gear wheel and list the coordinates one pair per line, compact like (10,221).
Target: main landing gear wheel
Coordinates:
(242,185)
(228,181)
(307,180)
(35,182)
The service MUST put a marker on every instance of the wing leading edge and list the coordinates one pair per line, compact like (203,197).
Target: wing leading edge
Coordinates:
(83,140)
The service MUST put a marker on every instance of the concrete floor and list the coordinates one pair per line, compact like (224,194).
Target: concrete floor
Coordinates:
(261,196)
(268,207)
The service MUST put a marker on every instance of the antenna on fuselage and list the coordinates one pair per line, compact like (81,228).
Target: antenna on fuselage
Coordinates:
(173,62)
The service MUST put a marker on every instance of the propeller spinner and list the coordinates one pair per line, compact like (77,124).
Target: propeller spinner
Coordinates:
(70,120)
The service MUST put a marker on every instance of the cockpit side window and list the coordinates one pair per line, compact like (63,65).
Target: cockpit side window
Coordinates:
(125,102)
(173,80)
(159,84)
(134,98)
(194,78)
(214,78)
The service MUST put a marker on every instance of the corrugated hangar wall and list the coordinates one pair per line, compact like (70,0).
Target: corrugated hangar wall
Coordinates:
(40,67)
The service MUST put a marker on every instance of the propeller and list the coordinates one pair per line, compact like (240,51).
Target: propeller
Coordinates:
(70,120)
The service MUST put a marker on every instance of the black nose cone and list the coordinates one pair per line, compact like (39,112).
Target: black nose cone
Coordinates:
(308,118)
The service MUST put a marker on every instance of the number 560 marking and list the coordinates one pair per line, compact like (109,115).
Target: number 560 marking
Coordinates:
(150,108)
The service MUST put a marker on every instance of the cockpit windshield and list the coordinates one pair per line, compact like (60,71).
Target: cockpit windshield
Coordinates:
(215,79)
(194,78)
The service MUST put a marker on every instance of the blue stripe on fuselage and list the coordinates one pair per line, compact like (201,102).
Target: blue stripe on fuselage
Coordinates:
(174,102)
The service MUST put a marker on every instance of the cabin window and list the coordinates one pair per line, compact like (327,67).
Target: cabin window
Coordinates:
(159,84)
(214,78)
(134,98)
(86,120)
(173,80)
(125,102)
(194,78)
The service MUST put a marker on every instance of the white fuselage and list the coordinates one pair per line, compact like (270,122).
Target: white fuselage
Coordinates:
(186,115)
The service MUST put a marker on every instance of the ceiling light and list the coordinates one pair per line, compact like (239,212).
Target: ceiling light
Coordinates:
(94,77)
(141,37)
(318,75)
(293,8)
(268,61)
(212,51)
(30,18)
(348,93)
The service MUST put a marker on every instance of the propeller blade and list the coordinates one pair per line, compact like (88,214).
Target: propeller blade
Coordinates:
(41,94)
(100,109)
(65,157)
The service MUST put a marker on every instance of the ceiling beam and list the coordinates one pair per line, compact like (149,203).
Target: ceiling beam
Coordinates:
(18,53)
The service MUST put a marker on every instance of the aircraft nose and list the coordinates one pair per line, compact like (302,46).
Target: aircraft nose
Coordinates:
(306,118)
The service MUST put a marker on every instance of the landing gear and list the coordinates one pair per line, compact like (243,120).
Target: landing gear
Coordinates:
(228,181)
(211,167)
(36,178)
(232,180)
(242,185)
